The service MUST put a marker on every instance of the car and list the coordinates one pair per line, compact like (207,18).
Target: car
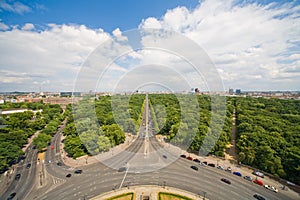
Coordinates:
(248,178)
(11,196)
(59,163)
(189,158)
(237,173)
(258,182)
(28,165)
(211,165)
(122,169)
(220,167)
(194,167)
(228,169)
(78,171)
(202,164)
(17,177)
(68,175)
(183,156)
(34,147)
(226,180)
(196,160)
(272,188)
(205,162)
(259,197)
(164,156)
(261,175)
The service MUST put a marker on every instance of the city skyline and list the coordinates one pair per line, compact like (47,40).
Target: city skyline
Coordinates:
(254,45)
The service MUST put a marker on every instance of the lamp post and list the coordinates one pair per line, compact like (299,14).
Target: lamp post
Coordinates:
(204,193)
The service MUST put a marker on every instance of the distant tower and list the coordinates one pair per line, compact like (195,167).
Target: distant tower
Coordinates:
(238,91)
(230,91)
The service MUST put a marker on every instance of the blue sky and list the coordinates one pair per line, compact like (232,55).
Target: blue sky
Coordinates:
(105,14)
(255,45)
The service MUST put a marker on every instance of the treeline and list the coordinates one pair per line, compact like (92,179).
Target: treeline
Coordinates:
(97,125)
(269,135)
(18,127)
(198,122)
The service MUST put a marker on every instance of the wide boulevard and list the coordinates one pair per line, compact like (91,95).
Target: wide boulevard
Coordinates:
(146,162)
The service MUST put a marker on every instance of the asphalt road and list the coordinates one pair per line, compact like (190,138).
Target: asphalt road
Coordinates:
(25,184)
(157,167)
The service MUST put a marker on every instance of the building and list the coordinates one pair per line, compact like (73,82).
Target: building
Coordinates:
(238,91)
(230,91)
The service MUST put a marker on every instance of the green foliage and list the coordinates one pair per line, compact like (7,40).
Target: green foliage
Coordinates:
(115,115)
(269,135)
(187,119)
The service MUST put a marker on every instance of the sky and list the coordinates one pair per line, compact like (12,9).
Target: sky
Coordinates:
(49,45)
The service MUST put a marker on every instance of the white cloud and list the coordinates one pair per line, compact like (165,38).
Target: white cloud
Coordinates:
(51,57)
(28,27)
(16,7)
(3,27)
(118,34)
(244,41)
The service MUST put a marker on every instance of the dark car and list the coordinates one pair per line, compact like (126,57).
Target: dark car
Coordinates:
(259,197)
(28,165)
(68,175)
(194,167)
(18,176)
(122,169)
(183,156)
(78,171)
(211,165)
(204,162)
(11,196)
(225,180)
(196,160)
(237,173)
(59,163)
(34,147)
(164,156)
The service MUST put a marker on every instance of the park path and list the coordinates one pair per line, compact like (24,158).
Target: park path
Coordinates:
(231,151)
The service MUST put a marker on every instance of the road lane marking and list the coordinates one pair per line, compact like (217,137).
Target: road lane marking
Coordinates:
(124,177)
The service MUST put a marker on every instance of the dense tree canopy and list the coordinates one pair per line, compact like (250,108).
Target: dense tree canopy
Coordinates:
(269,135)
(20,126)
(101,124)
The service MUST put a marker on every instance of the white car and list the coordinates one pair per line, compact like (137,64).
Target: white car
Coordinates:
(272,188)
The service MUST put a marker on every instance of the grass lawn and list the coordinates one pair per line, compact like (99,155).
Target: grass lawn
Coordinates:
(169,196)
(127,196)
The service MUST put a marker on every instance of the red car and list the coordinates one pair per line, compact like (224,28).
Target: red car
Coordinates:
(189,158)
(259,182)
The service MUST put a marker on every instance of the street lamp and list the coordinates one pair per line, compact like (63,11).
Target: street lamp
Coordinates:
(204,193)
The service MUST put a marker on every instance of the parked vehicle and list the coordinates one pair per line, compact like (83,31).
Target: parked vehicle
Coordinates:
(28,166)
(196,160)
(272,188)
(183,156)
(248,178)
(259,182)
(228,169)
(211,165)
(189,158)
(220,167)
(68,175)
(237,173)
(259,174)
(194,167)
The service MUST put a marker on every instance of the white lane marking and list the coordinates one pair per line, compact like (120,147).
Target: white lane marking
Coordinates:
(124,177)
